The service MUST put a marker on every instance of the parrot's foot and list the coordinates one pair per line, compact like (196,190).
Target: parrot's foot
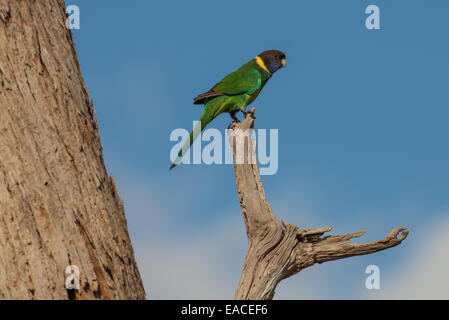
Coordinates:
(234,117)
(250,112)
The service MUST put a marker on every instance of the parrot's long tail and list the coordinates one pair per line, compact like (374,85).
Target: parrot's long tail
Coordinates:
(210,112)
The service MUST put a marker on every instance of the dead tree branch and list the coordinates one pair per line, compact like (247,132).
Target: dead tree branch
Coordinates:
(279,250)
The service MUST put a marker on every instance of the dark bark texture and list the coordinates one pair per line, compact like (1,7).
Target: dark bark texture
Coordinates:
(58,206)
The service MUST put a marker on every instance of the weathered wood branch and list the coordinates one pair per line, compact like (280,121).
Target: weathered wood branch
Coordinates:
(279,250)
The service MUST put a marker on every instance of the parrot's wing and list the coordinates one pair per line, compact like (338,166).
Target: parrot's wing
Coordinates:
(239,82)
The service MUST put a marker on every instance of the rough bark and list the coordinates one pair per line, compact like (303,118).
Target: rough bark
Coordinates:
(278,250)
(58,206)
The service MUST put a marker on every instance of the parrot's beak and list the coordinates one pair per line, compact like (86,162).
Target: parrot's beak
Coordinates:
(284,62)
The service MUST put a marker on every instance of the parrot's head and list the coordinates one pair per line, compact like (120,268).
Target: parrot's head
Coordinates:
(273,60)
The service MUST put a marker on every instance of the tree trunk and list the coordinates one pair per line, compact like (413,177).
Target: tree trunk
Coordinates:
(58,207)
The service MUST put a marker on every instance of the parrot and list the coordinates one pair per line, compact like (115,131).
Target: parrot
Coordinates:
(235,92)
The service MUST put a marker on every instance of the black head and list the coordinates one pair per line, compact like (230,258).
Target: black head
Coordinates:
(273,60)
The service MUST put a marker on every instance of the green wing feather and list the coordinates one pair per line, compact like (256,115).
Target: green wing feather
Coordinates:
(240,82)
(245,80)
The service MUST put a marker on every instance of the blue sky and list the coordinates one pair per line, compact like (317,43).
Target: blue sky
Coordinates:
(363,135)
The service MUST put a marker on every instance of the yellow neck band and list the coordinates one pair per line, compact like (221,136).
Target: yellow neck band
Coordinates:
(261,64)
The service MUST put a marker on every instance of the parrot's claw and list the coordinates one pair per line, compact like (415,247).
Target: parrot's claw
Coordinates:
(245,113)
(234,117)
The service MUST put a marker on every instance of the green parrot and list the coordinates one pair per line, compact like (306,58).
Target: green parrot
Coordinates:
(235,92)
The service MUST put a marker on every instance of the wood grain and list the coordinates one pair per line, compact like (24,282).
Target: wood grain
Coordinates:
(58,206)
(278,250)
